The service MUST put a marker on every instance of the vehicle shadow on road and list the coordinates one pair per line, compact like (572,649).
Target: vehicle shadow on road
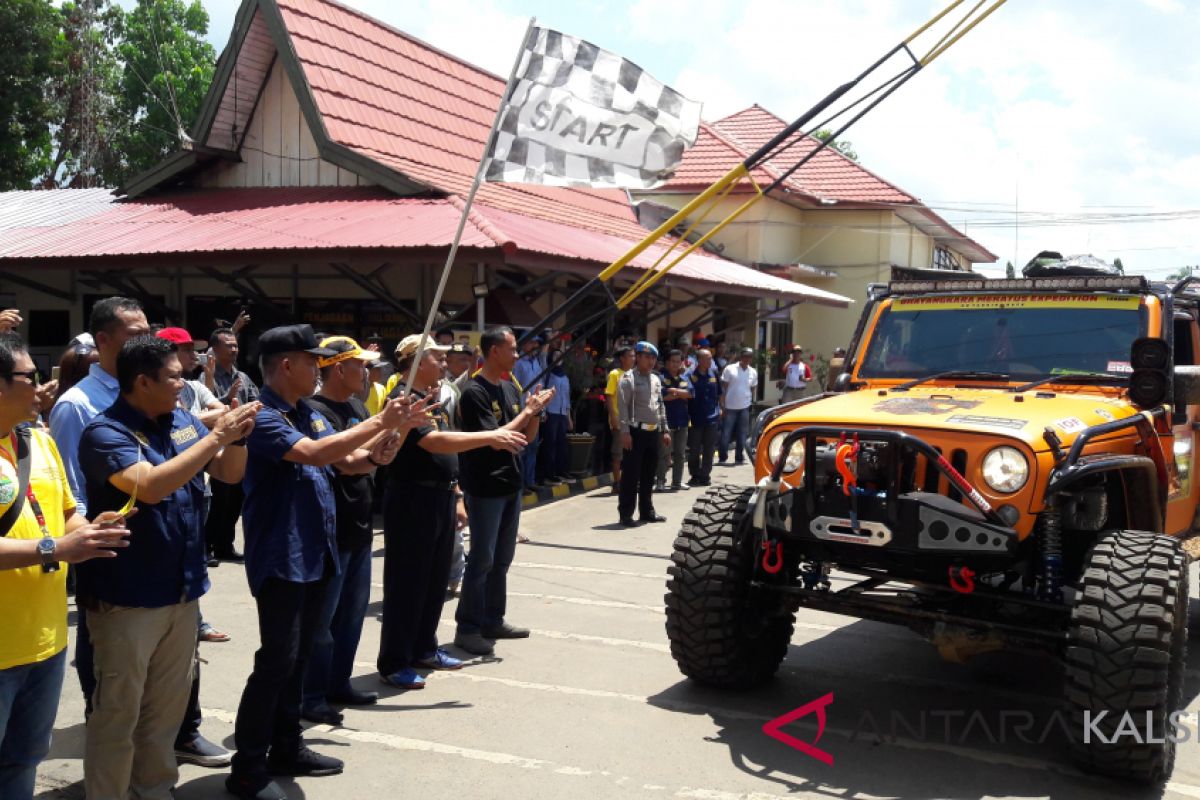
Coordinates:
(900,722)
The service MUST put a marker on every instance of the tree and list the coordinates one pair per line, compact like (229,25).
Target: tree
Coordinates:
(1009,270)
(1181,273)
(1118,266)
(842,146)
(167,68)
(87,126)
(27,37)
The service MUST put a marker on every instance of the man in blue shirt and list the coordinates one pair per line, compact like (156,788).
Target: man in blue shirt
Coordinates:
(704,409)
(142,605)
(677,390)
(114,321)
(291,550)
(525,372)
(552,460)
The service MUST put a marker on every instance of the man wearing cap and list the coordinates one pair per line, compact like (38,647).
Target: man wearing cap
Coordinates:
(291,550)
(796,375)
(738,382)
(195,397)
(422,508)
(459,358)
(339,627)
(704,412)
(622,363)
(642,421)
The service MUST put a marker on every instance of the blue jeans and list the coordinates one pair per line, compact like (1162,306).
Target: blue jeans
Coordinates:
(493,522)
(28,703)
(735,427)
(339,628)
(529,462)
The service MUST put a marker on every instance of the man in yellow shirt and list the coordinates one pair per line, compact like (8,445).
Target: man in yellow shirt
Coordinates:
(623,358)
(42,531)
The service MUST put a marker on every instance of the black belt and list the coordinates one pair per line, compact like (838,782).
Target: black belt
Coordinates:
(443,485)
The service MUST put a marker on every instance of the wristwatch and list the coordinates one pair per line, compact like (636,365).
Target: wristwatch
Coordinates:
(46,549)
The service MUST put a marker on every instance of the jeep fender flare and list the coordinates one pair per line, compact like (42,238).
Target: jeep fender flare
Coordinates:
(1139,475)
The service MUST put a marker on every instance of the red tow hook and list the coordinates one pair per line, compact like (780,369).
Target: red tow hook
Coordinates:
(772,565)
(962,579)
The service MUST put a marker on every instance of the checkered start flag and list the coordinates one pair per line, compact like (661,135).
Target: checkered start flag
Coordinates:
(577,115)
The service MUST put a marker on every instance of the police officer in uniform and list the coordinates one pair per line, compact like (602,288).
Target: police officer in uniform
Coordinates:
(642,420)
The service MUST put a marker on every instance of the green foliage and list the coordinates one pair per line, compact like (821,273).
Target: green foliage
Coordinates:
(842,146)
(1183,272)
(28,29)
(1119,266)
(1009,270)
(167,67)
(87,122)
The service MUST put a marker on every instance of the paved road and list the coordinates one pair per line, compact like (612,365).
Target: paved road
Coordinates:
(593,706)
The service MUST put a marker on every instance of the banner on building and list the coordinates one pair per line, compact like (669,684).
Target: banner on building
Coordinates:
(577,115)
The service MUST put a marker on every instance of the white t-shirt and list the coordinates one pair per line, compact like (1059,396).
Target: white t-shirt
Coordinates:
(739,386)
(798,375)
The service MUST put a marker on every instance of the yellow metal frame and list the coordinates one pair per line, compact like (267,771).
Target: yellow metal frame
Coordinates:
(707,200)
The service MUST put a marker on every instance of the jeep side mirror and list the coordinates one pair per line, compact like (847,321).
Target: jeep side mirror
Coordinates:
(1151,361)
(843,383)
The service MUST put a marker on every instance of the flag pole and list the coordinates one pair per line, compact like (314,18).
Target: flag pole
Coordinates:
(462,220)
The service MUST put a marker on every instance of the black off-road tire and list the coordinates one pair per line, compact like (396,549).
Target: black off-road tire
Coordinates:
(716,636)
(1126,648)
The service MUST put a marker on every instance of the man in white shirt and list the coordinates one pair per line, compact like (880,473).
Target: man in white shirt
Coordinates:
(796,375)
(739,381)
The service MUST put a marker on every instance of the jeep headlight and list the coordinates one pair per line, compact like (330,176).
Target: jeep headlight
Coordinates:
(795,459)
(1005,469)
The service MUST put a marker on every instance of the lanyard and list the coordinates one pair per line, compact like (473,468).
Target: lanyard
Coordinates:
(29,495)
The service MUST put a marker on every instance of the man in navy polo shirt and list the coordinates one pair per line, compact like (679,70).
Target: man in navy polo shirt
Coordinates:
(291,549)
(704,409)
(142,605)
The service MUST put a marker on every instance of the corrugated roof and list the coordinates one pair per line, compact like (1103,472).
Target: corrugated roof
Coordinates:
(33,208)
(90,225)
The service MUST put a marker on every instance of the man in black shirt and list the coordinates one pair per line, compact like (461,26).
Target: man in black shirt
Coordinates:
(339,626)
(422,506)
(491,480)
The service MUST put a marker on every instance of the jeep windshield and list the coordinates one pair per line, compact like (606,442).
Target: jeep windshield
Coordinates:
(1026,337)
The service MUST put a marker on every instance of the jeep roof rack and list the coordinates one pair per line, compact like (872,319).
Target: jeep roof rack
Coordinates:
(1135,283)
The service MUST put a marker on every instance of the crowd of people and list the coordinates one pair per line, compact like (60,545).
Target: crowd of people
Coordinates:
(136,464)
(133,467)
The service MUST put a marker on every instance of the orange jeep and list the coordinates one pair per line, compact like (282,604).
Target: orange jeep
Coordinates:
(1002,464)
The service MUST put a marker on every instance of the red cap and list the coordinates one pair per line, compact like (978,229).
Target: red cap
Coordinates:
(175,335)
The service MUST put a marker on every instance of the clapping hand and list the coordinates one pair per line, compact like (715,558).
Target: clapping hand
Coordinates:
(539,398)
(236,424)
(504,439)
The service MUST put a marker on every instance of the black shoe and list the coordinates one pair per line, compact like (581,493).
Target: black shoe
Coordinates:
(676,487)
(653,518)
(231,555)
(213,561)
(304,762)
(322,715)
(629,522)
(251,790)
(353,697)
(202,753)
(506,630)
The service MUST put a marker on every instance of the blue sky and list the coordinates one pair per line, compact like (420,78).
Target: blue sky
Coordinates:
(1069,125)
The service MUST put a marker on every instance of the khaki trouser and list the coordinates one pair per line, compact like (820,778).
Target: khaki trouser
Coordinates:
(143,665)
(793,394)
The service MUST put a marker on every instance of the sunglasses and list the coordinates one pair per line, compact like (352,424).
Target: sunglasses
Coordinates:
(31,374)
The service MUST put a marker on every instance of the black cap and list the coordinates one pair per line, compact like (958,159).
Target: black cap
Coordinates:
(292,339)
(461,349)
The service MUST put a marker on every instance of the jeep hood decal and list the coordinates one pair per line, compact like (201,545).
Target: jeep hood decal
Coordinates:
(967,410)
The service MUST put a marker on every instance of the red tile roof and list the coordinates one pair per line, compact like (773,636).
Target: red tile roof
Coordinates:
(336,218)
(829,175)
(421,112)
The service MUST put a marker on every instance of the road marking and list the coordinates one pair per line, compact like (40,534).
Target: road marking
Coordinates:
(658,576)
(587,601)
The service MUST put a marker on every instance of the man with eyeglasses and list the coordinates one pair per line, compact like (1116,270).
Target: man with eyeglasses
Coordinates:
(39,529)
